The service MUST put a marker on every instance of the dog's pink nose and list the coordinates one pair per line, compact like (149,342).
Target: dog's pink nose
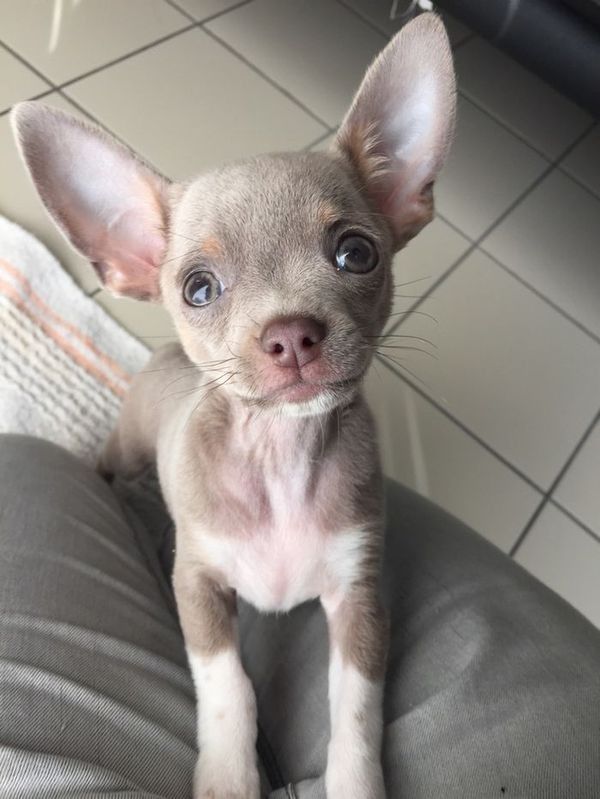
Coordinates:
(293,342)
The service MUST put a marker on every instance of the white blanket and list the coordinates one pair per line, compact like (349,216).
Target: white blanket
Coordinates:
(65,364)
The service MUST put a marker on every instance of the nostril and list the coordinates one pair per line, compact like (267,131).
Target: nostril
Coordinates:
(293,341)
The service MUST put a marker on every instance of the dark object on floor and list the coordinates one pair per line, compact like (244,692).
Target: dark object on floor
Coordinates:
(559,40)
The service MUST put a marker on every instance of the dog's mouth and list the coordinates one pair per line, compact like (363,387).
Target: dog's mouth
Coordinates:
(301,392)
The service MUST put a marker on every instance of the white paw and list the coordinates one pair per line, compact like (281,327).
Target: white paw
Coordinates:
(217,777)
(358,779)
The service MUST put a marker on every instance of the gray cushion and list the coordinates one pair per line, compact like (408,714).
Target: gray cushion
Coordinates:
(493,685)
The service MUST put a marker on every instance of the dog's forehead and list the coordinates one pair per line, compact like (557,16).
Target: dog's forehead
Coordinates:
(272,196)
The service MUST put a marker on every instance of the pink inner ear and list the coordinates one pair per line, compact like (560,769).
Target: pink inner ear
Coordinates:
(399,127)
(124,241)
(111,205)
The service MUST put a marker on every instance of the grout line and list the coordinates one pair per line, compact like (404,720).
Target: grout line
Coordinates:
(266,77)
(548,494)
(83,110)
(575,519)
(579,182)
(225,11)
(369,22)
(454,227)
(210,18)
(125,57)
(181,10)
(523,534)
(476,242)
(568,150)
(26,63)
(468,38)
(86,113)
(319,139)
(482,443)
(541,296)
(503,124)
(441,279)
(201,24)
(35,97)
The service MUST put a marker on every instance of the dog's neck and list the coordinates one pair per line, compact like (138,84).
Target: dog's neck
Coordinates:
(279,436)
(265,466)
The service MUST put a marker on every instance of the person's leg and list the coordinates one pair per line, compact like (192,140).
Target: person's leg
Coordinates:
(95,695)
(493,683)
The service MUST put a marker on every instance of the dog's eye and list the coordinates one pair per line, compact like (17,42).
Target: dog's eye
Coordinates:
(201,288)
(356,254)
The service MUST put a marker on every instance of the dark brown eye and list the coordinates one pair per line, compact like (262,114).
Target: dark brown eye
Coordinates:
(356,254)
(201,288)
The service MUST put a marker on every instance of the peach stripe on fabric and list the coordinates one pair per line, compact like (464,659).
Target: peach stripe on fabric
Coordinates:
(102,357)
(13,294)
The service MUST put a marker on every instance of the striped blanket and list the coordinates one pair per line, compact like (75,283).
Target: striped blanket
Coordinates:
(65,365)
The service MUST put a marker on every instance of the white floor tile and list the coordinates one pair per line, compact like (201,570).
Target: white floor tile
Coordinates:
(19,201)
(203,9)
(18,82)
(378,13)
(488,169)
(579,490)
(317,50)
(422,449)
(552,240)
(530,107)
(509,367)
(566,558)
(88,34)
(188,104)
(422,262)
(147,321)
(584,162)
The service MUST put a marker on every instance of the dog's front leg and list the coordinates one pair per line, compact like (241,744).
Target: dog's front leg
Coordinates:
(226,767)
(358,634)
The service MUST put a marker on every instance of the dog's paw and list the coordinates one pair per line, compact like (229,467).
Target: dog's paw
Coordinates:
(359,780)
(217,777)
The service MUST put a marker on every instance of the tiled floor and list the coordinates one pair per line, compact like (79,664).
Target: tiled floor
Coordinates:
(501,426)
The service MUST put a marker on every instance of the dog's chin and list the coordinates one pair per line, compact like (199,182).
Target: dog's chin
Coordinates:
(307,399)
(323,401)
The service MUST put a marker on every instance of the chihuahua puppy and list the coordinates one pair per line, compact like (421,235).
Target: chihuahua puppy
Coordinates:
(276,272)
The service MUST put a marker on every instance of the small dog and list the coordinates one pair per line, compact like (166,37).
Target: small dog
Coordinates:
(276,272)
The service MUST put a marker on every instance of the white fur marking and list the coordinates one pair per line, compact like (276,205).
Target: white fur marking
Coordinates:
(354,759)
(226,728)
(285,564)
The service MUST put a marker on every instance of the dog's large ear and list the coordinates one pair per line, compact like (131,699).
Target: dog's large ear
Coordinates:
(398,130)
(110,205)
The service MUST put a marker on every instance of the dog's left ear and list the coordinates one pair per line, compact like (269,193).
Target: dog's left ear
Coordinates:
(398,130)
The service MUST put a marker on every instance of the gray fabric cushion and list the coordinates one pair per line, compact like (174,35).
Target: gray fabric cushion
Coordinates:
(95,696)
(493,685)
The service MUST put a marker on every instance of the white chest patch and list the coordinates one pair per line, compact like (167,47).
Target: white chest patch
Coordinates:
(278,568)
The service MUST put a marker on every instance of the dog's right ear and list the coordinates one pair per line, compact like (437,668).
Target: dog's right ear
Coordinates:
(398,130)
(111,205)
